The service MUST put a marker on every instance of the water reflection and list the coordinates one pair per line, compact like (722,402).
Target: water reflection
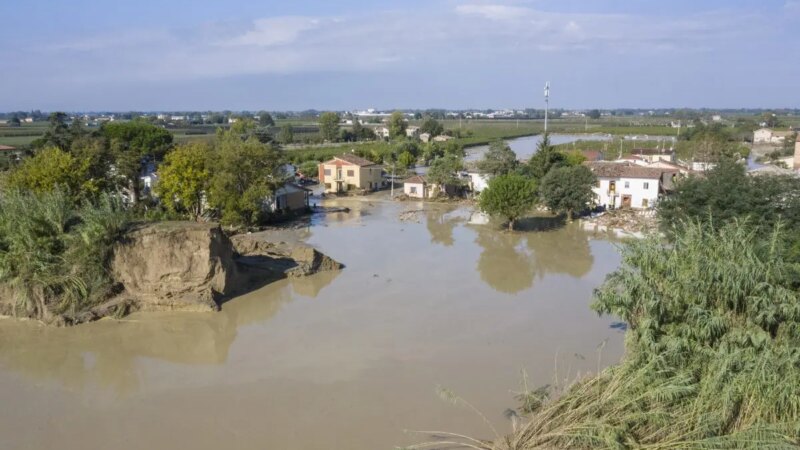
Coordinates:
(510,262)
(505,263)
(441,223)
(108,353)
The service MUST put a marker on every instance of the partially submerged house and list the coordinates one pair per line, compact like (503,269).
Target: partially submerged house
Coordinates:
(418,187)
(628,185)
(350,172)
(289,197)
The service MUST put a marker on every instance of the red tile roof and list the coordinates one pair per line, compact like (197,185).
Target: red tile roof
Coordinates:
(5,148)
(416,179)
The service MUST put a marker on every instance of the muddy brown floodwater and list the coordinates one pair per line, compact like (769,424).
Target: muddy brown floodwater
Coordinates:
(348,360)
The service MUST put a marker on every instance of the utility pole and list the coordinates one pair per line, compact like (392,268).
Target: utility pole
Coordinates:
(546,104)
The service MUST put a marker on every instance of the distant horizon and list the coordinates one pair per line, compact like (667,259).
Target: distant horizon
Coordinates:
(389,110)
(290,56)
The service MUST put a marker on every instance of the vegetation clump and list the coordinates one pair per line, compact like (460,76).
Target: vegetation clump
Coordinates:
(55,254)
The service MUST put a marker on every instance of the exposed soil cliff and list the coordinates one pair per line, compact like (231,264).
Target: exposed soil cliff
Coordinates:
(190,266)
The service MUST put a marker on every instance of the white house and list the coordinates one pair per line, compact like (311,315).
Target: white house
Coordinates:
(627,185)
(477,181)
(425,137)
(412,131)
(768,136)
(383,132)
(442,138)
(418,187)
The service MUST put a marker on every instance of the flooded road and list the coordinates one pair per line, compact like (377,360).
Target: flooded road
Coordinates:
(346,360)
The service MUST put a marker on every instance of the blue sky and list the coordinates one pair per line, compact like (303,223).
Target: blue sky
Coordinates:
(352,54)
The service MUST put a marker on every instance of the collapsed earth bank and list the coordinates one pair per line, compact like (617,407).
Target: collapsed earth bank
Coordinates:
(190,266)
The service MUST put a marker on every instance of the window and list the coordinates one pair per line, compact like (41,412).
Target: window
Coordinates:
(644,202)
(627,184)
(412,190)
(327,185)
(351,173)
(646,186)
(612,186)
(327,172)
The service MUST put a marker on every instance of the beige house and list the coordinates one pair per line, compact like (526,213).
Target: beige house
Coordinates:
(425,137)
(350,172)
(442,138)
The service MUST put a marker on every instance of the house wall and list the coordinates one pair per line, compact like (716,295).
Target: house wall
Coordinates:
(762,136)
(353,177)
(635,188)
(419,187)
(797,155)
(478,181)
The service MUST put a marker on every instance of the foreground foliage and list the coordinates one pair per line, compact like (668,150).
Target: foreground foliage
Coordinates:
(712,352)
(54,256)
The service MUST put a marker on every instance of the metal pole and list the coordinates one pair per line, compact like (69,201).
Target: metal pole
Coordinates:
(546,104)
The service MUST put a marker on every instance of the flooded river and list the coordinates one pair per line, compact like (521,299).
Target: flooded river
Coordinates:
(347,360)
(525,147)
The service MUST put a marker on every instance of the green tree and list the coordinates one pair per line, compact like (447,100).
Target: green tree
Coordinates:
(499,159)
(397,125)
(406,159)
(358,129)
(593,114)
(265,119)
(14,122)
(51,169)
(245,173)
(568,189)
(546,158)
(431,126)
(770,119)
(57,133)
(444,171)
(310,169)
(184,178)
(132,145)
(508,197)
(329,126)
(286,135)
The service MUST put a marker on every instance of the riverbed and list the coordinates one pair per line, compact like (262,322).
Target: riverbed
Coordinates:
(339,360)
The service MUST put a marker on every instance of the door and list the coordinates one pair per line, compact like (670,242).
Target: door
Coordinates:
(626,201)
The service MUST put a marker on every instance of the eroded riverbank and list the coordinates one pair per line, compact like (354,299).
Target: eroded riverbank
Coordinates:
(344,359)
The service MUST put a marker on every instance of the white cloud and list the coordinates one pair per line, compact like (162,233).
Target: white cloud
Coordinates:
(464,35)
(275,31)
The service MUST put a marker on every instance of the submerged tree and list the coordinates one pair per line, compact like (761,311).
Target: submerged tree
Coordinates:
(568,189)
(509,197)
